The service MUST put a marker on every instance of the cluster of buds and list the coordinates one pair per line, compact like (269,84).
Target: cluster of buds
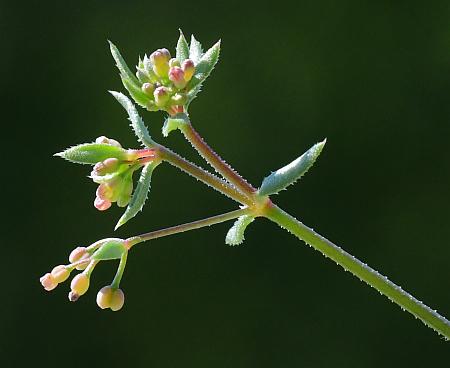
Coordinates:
(165,80)
(83,258)
(115,175)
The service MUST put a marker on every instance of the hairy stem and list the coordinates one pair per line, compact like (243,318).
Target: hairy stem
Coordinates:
(203,175)
(365,273)
(186,227)
(215,160)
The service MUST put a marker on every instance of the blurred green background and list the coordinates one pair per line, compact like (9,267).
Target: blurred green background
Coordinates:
(373,77)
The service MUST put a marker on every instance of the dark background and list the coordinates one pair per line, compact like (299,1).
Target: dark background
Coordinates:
(373,77)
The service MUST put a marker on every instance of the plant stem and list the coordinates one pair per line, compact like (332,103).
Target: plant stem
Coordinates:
(203,175)
(118,277)
(186,227)
(365,273)
(215,160)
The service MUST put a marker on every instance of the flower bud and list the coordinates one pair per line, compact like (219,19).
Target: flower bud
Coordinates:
(117,300)
(48,282)
(107,166)
(77,254)
(160,60)
(188,69)
(106,140)
(173,62)
(161,96)
(104,297)
(79,285)
(176,75)
(101,204)
(148,88)
(60,274)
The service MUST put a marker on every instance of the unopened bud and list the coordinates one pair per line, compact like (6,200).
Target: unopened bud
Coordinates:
(117,300)
(77,254)
(105,192)
(173,62)
(176,75)
(60,274)
(80,284)
(148,88)
(101,204)
(48,282)
(160,60)
(188,69)
(104,297)
(107,166)
(161,96)
(106,140)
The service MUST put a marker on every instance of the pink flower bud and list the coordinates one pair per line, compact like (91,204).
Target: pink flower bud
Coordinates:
(77,254)
(105,192)
(48,282)
(160,60)
(161,96)
(101,204)
(176,75)
(107,166)
(60,274)
(188,69)
(106,140)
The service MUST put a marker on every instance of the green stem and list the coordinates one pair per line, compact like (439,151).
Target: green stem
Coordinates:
(215,160)
(118,277)
(395,293)
(203,175)
(188,226)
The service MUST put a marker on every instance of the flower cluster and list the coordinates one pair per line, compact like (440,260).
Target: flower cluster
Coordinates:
(165,80)
(86,258)
(115,175)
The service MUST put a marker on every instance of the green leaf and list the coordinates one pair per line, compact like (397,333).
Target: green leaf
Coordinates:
(290,173)
(182,48)
(112,249)
(195,50)
(140,194)
(91,153)
(121,65)
(137,123)
(235,235)
(135,92)
(203,69)
(173,123)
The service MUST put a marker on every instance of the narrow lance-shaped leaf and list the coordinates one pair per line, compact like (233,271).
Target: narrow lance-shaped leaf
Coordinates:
(112,249)
(182,48)
(136,92)
(91,153)
(235,235)
(140,194)
(121,64)
(195,50)
(203,69)
(290,173)
(137,123)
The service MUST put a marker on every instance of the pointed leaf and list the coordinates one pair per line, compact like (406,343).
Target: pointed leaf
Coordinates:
(182,48)
(203,68)
(91,153)
(137,123)
(173,123)
(112,249)
(121,65)
(235,235)
(195,50)
(135,92)
(140,194)
(290,173)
